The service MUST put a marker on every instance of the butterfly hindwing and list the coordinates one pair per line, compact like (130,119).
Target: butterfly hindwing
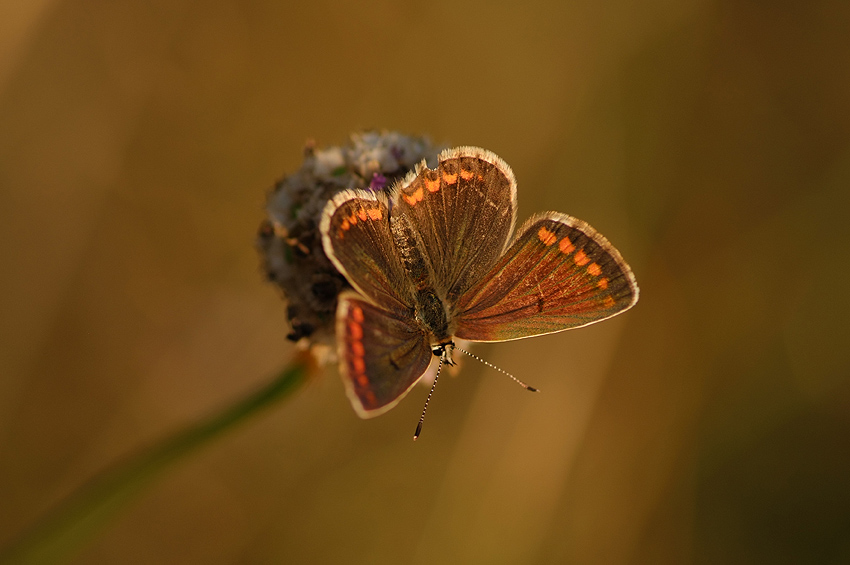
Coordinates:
(460,216)
(356,237)
(558,274)
(382,354)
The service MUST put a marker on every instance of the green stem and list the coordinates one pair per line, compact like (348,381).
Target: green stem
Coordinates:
(66,529)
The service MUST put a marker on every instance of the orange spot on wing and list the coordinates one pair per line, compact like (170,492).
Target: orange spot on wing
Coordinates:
(357,352)
(375,213)
(355,330)
(449,178)
(361,213)
(609,302)
(414,197)
(594,269)
(345,225)
(603,283)
(547,237)
(352,219)
(432,185)
(566,245)
(581,258)
(466,175)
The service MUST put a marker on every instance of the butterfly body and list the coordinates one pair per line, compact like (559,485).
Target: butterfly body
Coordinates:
(434,260)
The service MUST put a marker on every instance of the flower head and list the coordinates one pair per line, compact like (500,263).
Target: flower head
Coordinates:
(289,240)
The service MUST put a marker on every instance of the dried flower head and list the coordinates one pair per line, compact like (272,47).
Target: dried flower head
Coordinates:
(289,240)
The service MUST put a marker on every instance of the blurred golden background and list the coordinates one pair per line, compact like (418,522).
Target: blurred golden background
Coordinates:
(709,140)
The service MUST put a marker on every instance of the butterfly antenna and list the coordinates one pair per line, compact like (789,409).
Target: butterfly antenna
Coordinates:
(427,400)
(492,366)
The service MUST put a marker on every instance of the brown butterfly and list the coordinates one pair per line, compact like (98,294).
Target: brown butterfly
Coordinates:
(434,260)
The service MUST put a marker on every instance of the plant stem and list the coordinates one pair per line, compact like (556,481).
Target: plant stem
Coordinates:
(64,530)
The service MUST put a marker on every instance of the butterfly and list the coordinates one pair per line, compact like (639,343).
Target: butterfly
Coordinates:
(433,260)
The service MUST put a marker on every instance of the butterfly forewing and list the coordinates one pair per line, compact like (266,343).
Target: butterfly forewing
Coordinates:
(460,216)
(382,354)
(558,274)
(356,237)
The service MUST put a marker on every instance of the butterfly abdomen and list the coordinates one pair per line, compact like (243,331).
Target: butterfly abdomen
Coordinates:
(431,312)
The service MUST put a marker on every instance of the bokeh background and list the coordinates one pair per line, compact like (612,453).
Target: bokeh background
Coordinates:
(709,140)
